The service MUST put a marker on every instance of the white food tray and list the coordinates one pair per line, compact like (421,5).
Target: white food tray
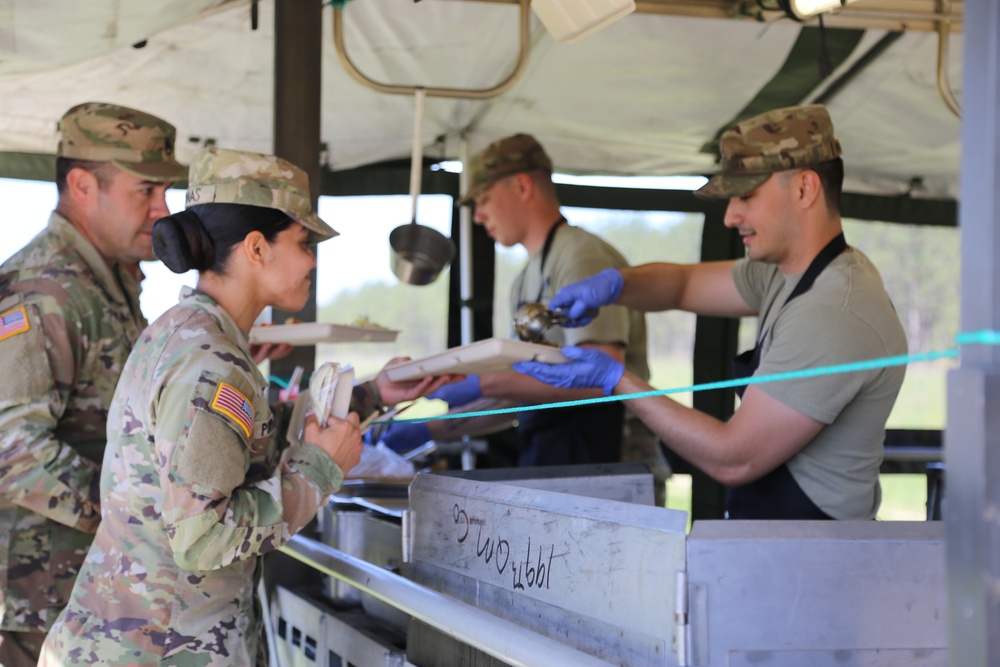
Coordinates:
(493,355)
(310,333)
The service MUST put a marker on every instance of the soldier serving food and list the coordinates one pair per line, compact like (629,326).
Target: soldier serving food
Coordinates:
(804,448)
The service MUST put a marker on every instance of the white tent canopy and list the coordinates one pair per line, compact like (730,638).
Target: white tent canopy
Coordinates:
(641,97)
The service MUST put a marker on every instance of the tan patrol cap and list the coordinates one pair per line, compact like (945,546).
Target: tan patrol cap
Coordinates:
(134,141)
(510,155)
(224,176)
(777,140)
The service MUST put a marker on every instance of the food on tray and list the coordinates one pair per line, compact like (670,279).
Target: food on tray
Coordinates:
(363,321)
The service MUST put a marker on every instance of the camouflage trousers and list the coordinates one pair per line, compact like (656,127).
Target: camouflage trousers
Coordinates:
(640,445)
(20,649)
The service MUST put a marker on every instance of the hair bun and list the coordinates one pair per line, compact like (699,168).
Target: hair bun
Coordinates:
(182,243)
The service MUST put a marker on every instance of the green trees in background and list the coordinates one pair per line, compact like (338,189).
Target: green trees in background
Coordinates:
(418,312)
(920,267)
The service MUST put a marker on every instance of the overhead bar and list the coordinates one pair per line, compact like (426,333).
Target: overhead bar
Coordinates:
(458,93)
(918,15)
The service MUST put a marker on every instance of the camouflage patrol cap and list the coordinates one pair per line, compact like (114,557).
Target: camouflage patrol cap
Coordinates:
(513,154)
(781,139)
(134,141)
(224,176)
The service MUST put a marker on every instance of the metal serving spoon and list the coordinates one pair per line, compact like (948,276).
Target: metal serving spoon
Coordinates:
(532,320)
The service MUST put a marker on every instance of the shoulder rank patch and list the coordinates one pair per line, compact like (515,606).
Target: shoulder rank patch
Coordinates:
(230,402)
(13,322)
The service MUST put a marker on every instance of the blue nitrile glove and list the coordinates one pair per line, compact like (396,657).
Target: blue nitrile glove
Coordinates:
(459,393)
(591,293)
(404,436)
(586,368)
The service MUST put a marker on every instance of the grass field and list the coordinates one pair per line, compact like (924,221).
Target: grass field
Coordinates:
(904,497)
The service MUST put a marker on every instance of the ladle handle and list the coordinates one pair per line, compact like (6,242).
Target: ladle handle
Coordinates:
(417,164)
(561,317)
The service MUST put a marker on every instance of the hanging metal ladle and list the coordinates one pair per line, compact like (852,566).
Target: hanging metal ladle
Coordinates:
(532,320)
(418,253)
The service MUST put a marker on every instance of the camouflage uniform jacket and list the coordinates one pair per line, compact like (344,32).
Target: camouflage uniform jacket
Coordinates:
(195,489)
(67,324)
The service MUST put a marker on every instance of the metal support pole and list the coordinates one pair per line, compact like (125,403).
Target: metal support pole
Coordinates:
(465,249)
(715,341)
(298,38)
(972,438)
(298,50)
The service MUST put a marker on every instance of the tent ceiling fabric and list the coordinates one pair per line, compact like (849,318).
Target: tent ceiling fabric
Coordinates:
(41,34)
(642,96)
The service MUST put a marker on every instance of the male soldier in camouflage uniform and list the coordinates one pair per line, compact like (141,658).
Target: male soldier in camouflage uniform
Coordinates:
(195,486)
(808,448)
(69,316)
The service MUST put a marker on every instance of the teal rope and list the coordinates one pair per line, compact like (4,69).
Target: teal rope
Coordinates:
(278,381)
(984,337)
(969,338)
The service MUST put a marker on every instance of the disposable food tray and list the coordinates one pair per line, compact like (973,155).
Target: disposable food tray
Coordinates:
(493,355)
(311,333)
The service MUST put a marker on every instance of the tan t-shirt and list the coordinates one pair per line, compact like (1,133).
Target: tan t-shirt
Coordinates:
(845,317)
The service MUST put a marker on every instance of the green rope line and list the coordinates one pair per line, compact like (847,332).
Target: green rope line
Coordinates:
(971,338)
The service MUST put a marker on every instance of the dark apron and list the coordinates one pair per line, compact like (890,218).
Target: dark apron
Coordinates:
(587,434)
(777,495)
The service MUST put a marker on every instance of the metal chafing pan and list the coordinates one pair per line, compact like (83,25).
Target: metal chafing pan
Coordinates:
(366,526)
(386,496)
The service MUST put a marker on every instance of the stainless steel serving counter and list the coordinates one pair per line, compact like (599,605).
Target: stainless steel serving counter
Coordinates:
(576,567)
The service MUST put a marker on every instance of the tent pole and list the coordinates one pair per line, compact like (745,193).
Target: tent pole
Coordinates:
(465,248)
(298,39)
(972,438)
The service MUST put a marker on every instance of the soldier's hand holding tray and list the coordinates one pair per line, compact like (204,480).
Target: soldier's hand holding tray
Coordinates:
(392,392)
(586,368)
(339,438)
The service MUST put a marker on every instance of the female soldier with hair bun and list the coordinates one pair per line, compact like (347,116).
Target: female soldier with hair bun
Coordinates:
(195,486)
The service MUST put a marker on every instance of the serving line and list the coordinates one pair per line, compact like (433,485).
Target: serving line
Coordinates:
(515,645)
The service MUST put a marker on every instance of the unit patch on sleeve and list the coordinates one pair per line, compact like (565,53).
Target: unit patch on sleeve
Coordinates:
(14,322)
(230,402)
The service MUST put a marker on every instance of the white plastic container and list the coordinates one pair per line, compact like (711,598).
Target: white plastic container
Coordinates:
(492,355)
(569,20)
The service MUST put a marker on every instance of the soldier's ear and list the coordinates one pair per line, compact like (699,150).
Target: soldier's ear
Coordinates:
(254,247)
(82,185)
(523,184)
(807,187)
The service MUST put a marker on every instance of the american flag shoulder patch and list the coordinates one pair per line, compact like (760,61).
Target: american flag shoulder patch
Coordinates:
(230,402)
(13,322)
